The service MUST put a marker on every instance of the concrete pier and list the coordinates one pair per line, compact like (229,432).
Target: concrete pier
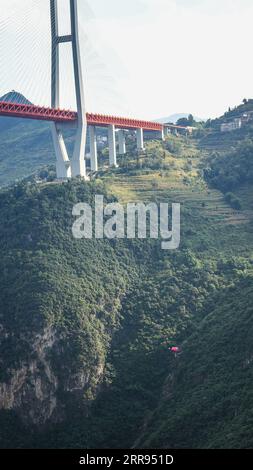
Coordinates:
(112,146)
(166,131)
(122,142)
(63,169)
(140,140)
(93,149)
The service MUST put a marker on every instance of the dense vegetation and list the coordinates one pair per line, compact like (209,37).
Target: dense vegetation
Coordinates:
(49,280)
(117,305)
(211,382)
(233,169)
(187,121)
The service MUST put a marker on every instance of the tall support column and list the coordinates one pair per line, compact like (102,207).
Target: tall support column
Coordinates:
(162,134)
(122,142)
(112,145)
(166,131)
(63,169)
(93,149)
(78,167)
(78,162)
(62,160)
(140,140)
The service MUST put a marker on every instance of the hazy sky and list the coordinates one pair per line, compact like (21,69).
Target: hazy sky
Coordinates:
(145,58)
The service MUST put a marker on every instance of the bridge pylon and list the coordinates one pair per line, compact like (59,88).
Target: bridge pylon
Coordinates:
(76,166)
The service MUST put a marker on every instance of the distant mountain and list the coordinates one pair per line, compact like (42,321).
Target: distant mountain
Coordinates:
(14,97)
(25,145)
(6,126)
(174,118)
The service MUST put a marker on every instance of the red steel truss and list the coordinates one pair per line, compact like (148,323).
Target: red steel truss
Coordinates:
(58,115)
(123,123)
(35,112)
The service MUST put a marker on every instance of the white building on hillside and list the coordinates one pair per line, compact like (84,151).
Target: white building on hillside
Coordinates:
(231,126)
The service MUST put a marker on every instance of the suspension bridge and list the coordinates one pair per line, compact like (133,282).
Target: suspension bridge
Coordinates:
(80,120)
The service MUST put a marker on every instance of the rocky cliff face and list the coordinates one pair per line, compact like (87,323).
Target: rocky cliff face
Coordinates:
(33,389)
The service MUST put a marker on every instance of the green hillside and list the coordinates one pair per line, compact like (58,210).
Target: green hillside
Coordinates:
(207,401)
(85,325)
(25,146)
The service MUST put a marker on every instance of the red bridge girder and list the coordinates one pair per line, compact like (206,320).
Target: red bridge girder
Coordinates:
(35,112)
(28,111)
(122,123)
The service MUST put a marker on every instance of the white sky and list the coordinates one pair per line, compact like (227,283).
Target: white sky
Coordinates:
(142,58)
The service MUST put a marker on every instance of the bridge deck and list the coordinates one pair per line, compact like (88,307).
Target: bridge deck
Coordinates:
(58,115)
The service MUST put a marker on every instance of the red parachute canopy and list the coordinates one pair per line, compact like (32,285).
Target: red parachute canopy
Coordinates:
(175,349)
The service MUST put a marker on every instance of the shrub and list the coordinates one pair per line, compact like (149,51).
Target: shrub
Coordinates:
(233,200)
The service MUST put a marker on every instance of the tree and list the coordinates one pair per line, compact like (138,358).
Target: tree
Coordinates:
(183,122)
(190,120)
(186,121)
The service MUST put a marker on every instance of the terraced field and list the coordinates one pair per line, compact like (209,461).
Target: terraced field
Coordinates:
(181,181)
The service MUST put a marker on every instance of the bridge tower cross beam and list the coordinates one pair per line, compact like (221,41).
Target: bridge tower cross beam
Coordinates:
(77,165)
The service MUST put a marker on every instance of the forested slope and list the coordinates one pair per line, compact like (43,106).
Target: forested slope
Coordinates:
(85,325)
